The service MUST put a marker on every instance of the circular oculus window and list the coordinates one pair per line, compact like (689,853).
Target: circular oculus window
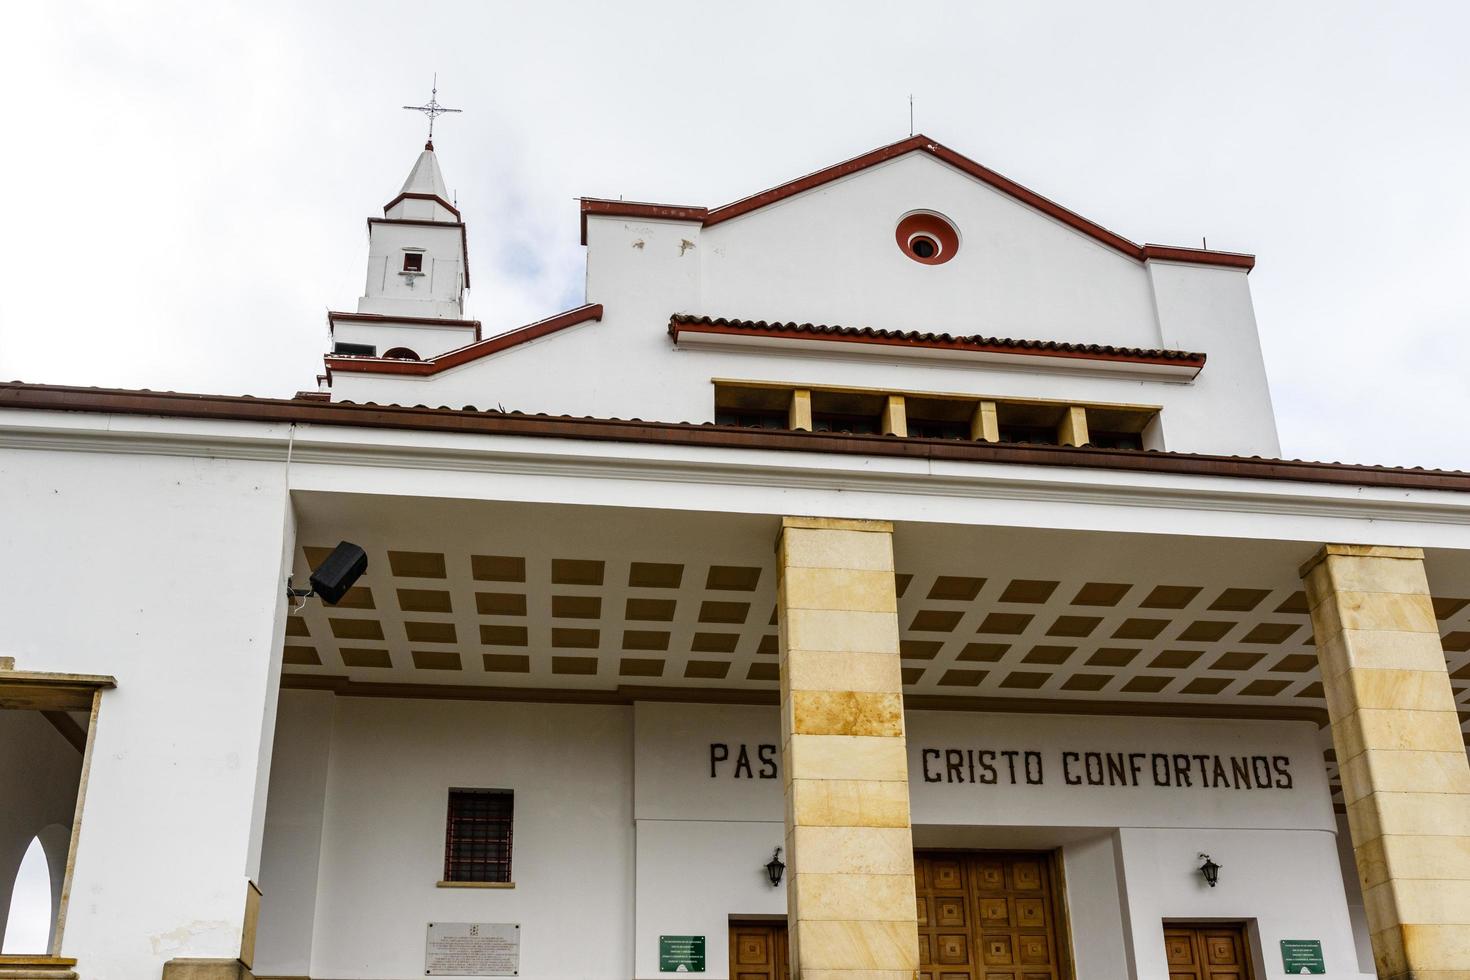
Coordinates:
(926,237)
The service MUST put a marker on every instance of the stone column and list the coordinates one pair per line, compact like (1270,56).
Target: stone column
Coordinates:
(1402,760)
(850,898)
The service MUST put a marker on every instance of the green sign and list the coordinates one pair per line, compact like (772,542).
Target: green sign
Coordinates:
(1302,956)
(681,954)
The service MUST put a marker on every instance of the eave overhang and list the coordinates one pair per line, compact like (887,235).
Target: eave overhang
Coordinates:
(471,421)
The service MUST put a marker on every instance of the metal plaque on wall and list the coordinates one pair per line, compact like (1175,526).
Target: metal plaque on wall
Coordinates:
(1302,956)
(473,949)
(681,954)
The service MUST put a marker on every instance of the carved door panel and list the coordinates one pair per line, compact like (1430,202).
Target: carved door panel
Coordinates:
(758,951)
(1206,952)
(946,927)
(986,916)
(1182,954)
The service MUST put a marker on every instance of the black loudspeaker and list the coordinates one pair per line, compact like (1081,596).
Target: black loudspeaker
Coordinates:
(341,569)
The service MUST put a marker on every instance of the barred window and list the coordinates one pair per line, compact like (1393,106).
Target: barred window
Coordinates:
(477,835)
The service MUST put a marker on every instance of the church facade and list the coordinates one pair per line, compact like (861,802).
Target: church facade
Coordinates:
(891,574)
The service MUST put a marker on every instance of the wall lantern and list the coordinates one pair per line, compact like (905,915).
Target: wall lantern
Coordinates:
(1210,870)
(775,869)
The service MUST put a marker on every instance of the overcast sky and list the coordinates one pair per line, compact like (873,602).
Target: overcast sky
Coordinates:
(186,183)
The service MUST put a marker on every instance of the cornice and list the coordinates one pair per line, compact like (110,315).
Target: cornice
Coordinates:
(529,456)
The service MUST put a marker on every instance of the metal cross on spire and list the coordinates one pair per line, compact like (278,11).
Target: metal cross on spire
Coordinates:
(432,109)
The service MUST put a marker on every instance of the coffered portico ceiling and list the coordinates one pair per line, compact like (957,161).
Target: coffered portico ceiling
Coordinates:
(610,603)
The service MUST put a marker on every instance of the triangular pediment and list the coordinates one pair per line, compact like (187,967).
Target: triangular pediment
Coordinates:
(920,144)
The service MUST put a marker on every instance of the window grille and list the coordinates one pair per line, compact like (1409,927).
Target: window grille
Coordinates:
(477,836)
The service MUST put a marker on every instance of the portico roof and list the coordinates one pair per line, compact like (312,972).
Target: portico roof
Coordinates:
(546,602)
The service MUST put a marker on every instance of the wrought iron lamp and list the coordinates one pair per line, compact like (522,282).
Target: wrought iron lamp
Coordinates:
(775,869)
(1210,870)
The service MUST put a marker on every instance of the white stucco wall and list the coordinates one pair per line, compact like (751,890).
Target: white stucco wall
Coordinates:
(165,572)
(293,833)
(1357,912)
(1123,848)
(382,852)
(191,639)
(1284,883)
(696,875)
(1153,747)
(1095,907)
(829,256)
(435,293)
(703,842)
(674,766)
(1208,309)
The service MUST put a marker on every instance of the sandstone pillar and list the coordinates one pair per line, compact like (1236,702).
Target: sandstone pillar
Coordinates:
(850,900)
(1404,773)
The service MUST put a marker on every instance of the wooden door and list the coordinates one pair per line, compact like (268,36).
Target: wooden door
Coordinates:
(1213,952)
(758,951)
(986,916)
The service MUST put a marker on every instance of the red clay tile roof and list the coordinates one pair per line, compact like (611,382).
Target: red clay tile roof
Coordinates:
(922,144)
(681,322)
(463,355)
(245,408)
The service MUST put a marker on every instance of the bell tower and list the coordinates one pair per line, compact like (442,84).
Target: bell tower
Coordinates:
(416,251)
(412,307)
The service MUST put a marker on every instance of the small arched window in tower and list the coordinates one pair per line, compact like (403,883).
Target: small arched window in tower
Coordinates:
(401,354)
(413,262)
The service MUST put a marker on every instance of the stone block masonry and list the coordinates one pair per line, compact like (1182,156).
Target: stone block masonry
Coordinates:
(850,900)
(1405,777)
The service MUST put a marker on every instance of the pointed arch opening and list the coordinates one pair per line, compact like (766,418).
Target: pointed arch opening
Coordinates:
(35,893)
(47,723)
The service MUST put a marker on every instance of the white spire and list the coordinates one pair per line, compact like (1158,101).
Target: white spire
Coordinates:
(424,197)
(425,177)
